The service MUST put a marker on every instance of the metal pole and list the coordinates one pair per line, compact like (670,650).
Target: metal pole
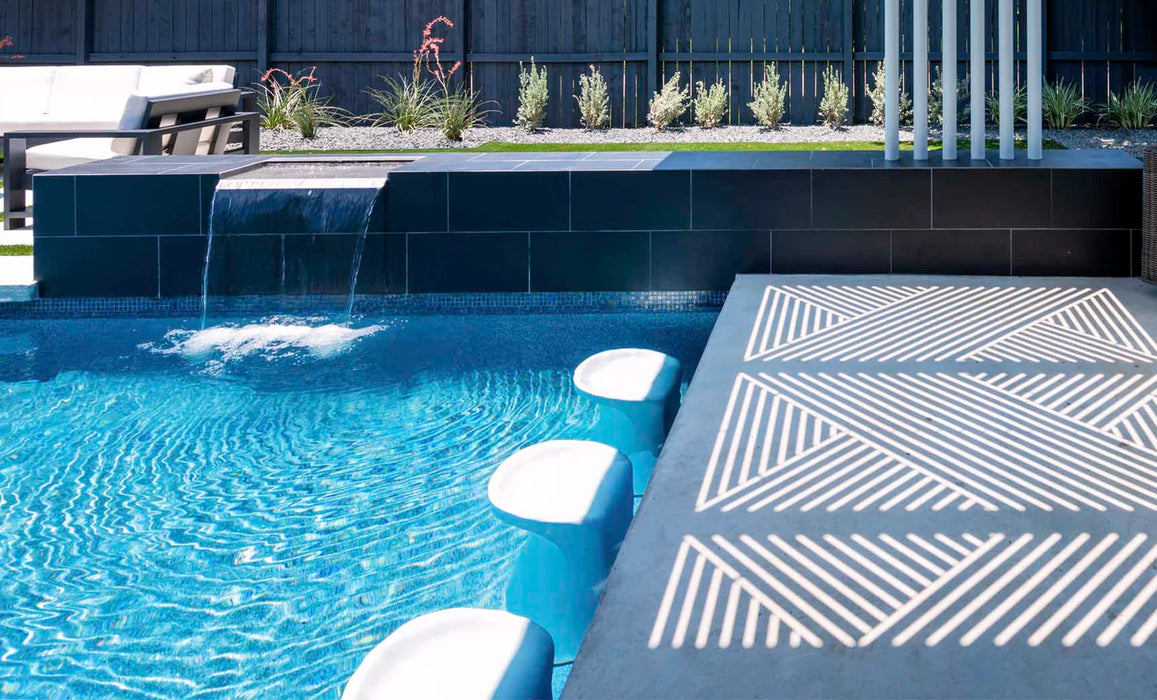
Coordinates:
(1007,83)
(1035,76)
(948,79)
(920,78)
(892,79)
(976,63)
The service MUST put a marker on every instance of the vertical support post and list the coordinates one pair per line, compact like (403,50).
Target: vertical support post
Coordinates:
(920,78)
(264,27)
(948,79)
(82,30)
(1035,75)
(1007,82)
(652,46)
(849,40)
(892,79)
(976,51)
(463,22)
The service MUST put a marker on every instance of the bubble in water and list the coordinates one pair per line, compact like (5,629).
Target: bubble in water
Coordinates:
(276,337)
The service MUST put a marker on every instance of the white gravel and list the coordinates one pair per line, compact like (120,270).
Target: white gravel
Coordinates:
(376,138)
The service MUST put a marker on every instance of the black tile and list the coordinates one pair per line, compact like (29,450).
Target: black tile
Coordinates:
(383,269)
(242,265)
(208,188)
(1086,253)
(590,261)
(416,202)
(991,198)
(96,266)
(54,201)
(509,201)
(707,260)
(951,252)
(750,199)
(467,262)
(632,200)
(1097,198)
(182,261)
(319,264)
(138,205)
(709,160)
(831,251)
(871,199)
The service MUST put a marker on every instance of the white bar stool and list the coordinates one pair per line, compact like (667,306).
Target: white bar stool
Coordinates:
(638,396)
(458,653)
(574,499)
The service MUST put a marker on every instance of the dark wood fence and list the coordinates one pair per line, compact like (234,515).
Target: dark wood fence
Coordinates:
(1101,45)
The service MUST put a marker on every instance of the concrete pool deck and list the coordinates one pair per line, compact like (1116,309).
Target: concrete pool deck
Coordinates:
(899,486)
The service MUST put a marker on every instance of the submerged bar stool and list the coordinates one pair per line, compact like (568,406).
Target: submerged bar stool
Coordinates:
(574,499)
(458,653)
(638,396)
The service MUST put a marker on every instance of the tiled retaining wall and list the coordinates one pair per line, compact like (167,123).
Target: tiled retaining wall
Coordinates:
(580,222)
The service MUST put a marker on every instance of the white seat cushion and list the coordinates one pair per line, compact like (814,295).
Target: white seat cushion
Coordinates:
(95,93)
(63,154)
(24,93)
(160,80)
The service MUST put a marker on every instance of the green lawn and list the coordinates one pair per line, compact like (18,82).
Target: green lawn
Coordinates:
(10,250)
(504,147)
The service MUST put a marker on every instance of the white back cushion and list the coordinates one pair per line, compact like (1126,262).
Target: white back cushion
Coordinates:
(92,92)
(24,92)
(160,80)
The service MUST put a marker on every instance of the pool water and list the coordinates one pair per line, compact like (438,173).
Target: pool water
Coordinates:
(246,511)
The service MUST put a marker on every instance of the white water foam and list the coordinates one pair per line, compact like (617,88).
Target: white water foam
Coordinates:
(269,340)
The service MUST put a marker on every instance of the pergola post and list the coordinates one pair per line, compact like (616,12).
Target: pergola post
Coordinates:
(976,63)
(920,78)
(948,80)
(1035,76)
(892,80)
(1007,82)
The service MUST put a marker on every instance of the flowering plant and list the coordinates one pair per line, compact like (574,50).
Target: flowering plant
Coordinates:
(291,101)
(7,43)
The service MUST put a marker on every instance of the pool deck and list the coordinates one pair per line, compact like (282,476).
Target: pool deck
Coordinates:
(899,486)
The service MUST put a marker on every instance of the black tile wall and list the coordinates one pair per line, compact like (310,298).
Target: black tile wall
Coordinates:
(509,201)
(832,252)
(416,202)
(707,260)
(631,200)
(871,199)
(1085,253)
(467,262)
(97,266)
(951,251)
(383,269)
(1097,199)
(750,199)
(58,216)
(318,264)
(182,264)
(991,198)
(246,265)
(591,261)
(138,205)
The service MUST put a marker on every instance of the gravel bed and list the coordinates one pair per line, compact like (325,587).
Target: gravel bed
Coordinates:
(376,138)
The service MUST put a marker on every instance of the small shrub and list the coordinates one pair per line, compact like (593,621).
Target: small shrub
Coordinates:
(936,100)
(768,99)
(711,104)
(533,94)
(1062,104)
(459,110)
(1134,109)
(1019,106)
(879,97)
(405,104)
(594,100)
(668,104)
(289,101)
(834,105)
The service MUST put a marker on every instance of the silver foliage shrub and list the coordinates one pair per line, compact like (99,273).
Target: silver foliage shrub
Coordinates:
(710,104)
(768,99)
(594,100)
(533,95)
(668,104)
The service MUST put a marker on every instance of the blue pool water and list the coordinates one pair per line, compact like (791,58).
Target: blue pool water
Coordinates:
(246,511)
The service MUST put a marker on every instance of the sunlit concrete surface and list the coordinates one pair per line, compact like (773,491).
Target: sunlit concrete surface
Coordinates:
(901,487)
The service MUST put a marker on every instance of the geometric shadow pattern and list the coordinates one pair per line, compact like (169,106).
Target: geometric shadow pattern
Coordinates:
(936,323)
(858,591)
(908,441)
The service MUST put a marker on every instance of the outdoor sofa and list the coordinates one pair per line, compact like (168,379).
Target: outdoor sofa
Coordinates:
(53,117)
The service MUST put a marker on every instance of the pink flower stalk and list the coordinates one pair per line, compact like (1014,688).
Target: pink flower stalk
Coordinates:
(5,43)
(295,81)
(429,54)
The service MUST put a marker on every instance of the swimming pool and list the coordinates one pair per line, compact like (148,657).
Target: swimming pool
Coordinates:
(245,512)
